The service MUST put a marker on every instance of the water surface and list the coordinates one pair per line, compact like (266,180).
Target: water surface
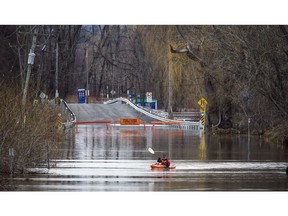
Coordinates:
(117,159)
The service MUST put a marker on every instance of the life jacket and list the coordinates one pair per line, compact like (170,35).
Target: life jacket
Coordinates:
(167,163)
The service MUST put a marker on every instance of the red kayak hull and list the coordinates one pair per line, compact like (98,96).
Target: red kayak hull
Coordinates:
(160,166)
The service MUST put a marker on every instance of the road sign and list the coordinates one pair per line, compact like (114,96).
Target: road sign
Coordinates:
(42,95)
(202,102)
(81,95)
(130,121)
(149,97)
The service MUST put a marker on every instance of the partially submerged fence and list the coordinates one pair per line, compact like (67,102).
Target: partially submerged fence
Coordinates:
(71,117)
(192,125)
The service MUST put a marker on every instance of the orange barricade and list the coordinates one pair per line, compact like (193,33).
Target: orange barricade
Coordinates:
(130,121)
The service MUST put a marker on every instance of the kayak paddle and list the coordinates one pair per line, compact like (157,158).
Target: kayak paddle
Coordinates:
(151,150)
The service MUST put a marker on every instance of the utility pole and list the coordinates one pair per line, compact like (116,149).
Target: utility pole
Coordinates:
(57,69)
(31,58)
(87,71)
(249,121)
(170,80)
(170,87)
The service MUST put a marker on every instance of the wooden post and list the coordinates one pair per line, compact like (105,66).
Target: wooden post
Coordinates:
(11,157)
(144,125)
(48,155)
(180,127)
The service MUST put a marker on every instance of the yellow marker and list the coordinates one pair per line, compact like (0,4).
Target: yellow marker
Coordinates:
(202,102)
(59,120)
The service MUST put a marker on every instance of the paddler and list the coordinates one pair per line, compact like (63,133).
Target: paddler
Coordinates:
(166,162)
(159,161)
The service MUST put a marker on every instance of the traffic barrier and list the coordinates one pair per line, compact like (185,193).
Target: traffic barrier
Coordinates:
(130,121)
(138,123)
(92,122)
(178,124)
(166,123)
(195,125)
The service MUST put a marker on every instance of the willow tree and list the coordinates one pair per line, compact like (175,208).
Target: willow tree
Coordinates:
(177,74)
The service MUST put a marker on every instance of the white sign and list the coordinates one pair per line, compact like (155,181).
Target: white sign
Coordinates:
(149,97)
(42,95)
(31,58)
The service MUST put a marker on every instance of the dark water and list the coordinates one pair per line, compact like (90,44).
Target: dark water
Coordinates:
(96,159)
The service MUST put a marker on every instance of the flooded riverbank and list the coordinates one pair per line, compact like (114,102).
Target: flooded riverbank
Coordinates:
(97,159)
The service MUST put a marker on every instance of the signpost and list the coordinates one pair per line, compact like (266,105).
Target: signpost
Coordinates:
(202,102)
(202,110)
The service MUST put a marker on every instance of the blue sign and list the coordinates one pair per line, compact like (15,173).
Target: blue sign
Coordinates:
(151,105)
(81,95)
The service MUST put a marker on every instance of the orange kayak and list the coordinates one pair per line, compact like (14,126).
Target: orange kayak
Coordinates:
(160,166)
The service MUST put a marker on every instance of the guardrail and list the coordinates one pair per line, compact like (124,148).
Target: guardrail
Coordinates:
(138,109)
(71,116)
(185,124)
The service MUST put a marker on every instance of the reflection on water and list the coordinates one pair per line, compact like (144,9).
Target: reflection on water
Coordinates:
(96,159)
(95,142)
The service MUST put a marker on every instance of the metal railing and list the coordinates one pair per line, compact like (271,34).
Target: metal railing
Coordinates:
(195,125)
(69,113)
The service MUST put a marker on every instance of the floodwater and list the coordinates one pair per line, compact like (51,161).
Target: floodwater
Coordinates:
(117,159)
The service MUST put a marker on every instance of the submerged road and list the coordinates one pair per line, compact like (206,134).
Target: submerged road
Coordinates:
(107,112)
